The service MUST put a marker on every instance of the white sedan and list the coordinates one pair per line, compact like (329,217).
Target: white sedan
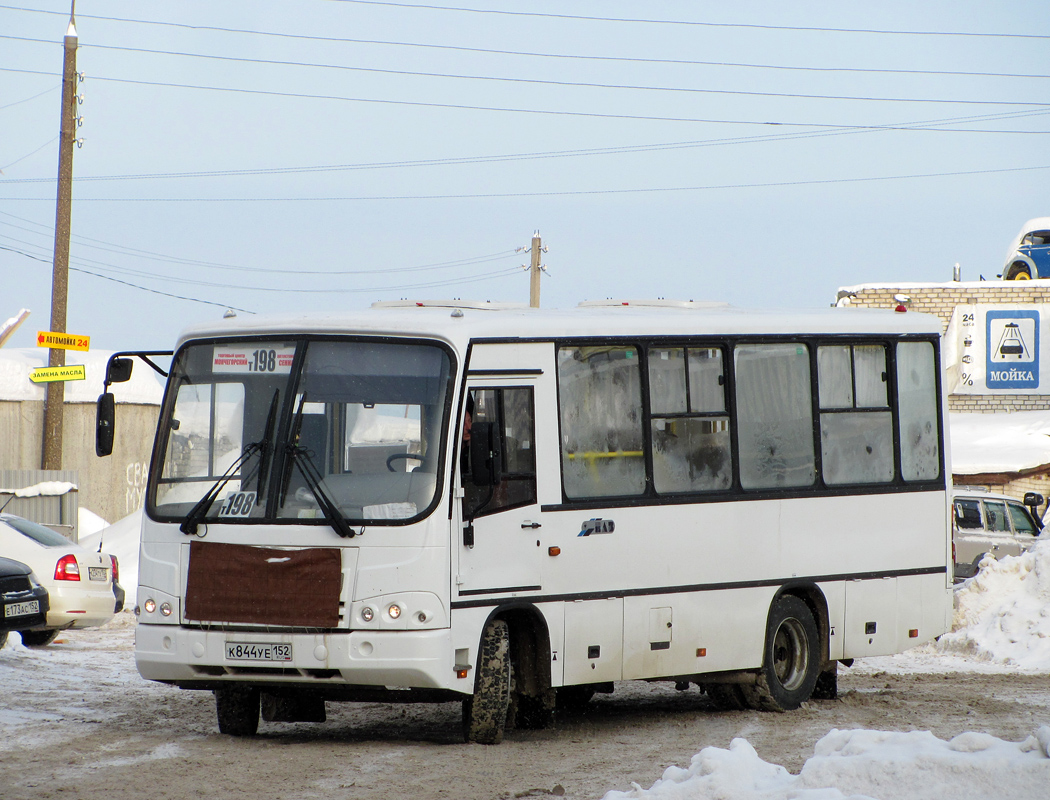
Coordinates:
(82,584)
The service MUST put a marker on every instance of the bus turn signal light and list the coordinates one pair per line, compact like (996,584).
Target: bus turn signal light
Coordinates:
(554,551)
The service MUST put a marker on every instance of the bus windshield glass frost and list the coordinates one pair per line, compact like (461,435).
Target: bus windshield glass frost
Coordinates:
(279,430)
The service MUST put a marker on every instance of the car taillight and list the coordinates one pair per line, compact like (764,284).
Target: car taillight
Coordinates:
(116,569)
(67,569)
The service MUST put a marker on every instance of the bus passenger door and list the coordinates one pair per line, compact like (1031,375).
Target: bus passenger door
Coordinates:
(499,551)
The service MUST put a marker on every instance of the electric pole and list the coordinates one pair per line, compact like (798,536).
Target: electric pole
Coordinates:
(54,396)
(534,271)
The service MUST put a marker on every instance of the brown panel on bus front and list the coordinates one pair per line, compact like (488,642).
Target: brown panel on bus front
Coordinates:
(265,586)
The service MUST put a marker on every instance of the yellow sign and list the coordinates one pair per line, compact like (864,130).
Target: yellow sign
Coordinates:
(62,341)
(74,372)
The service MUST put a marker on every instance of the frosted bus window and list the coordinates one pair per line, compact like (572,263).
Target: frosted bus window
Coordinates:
(835,376)
(856,443)
(207,431)
(600,400)
(917,411)
(774,415)
(689,429)
(667,381)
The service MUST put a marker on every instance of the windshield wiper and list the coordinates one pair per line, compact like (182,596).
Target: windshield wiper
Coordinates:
(301,458)
(263,446)
(198,512)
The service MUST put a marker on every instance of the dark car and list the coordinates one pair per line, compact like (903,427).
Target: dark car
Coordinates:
(23,601)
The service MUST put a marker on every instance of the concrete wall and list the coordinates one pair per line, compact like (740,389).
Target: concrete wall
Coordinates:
(940,299)
(111,487)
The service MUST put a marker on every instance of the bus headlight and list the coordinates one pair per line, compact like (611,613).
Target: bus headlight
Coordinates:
(394,611)
(150,605)
(367,614)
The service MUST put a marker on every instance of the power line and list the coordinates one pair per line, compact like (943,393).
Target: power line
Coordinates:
(564,56)
(689,23)
(566,193)
(980,34)
(570,84)
(27,99)
(465,107)
(922,125)
(126,283)
(125,250)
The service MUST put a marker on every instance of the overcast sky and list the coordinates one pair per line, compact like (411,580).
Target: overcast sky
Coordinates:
(324,154)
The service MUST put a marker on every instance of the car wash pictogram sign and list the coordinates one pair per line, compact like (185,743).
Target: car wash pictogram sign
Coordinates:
(995,349)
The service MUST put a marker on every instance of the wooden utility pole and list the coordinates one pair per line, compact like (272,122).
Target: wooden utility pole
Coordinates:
(534,272)
(54,396)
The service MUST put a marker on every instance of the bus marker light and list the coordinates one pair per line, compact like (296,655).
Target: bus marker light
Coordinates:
(165,609)
(701,652)
(150,606)
(367,614)
(394,611)
(913,633)
(554,551)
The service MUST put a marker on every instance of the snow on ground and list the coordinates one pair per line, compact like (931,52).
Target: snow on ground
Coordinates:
(1002,624)
(120,539)
(866,764)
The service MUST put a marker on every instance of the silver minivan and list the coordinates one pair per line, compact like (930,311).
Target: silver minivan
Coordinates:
(992,524)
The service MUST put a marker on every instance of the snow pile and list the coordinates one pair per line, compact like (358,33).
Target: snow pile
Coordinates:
(1002,614)
(120,539)
(88,523)
(866,764)
(43,489)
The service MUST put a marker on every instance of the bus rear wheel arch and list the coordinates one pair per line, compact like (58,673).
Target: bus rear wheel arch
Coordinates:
(792,658)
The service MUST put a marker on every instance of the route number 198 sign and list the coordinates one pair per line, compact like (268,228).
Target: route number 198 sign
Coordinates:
(257,359)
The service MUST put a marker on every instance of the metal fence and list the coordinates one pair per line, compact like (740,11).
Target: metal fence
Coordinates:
(57,511)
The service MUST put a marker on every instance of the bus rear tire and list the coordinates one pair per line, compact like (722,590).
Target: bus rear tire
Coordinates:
(485,713)
(237,709)
(791,661)
(728,696)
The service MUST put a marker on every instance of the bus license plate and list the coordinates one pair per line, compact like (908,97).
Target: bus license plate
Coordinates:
(97,573)
(258,651)
(22,609)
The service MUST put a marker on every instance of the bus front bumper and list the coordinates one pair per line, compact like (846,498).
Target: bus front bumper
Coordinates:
(395,659)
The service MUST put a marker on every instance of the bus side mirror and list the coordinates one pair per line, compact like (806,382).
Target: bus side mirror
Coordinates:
(105,416)
(118,370)
(486,454)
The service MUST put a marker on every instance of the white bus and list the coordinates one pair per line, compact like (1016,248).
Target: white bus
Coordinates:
(515,508)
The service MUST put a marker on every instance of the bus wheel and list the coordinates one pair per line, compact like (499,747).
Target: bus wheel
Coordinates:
(535,713)
(827,685)
(574,699)
(727,696)
(238,710)
(485,714)
(791,662)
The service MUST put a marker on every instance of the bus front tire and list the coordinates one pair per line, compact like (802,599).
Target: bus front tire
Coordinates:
(791,661)
(485,713)
(237,709)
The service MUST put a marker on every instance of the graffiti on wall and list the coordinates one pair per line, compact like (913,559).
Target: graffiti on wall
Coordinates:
(135,490)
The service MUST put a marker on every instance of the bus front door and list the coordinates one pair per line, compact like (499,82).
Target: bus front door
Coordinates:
(500,542)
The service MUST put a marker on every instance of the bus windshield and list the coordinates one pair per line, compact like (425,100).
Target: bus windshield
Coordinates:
(306,429)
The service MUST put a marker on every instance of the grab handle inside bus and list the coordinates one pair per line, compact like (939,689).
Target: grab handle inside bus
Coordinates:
(486,454)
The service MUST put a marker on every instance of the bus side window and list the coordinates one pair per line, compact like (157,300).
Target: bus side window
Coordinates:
(600,404)
(690,428)
(856,427)
(774,415)
(511,409)
(917,406)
